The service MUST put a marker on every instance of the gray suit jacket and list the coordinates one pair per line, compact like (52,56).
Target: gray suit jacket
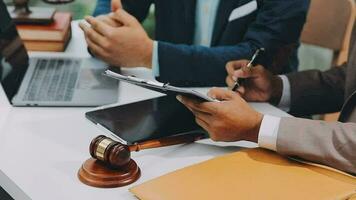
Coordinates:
(313,92)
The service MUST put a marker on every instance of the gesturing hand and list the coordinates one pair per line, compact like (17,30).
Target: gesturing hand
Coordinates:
(230,120)
(259,84)
(109,20)
(126,46)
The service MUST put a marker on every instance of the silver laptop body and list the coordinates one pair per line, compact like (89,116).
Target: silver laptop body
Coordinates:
(66,82)
(49,81)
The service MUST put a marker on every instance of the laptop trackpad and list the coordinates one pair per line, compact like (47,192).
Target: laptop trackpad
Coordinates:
(90,79)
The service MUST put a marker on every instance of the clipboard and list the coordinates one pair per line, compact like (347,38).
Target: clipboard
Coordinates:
(164,88)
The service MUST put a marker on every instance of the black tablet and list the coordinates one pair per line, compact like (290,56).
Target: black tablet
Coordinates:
(145,120)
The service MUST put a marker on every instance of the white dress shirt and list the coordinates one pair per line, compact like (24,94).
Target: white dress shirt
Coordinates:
(267,137)
(205,15)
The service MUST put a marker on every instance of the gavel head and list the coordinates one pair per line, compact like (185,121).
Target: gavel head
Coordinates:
(112,153)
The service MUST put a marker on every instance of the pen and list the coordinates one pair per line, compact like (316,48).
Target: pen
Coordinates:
(249,65)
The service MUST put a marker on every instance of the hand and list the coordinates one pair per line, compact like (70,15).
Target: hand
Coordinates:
(115,5)
(108,19)
(125,46)
(259,84)
(230,120)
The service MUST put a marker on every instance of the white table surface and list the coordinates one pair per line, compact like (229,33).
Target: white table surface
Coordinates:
(41,149)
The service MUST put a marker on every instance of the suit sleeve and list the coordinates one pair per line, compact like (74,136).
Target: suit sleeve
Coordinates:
(316,92)
(332,144)
(139,9)
(278,23)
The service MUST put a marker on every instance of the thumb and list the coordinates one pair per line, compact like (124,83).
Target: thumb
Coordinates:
(221,94)
(124,17)
(115,5)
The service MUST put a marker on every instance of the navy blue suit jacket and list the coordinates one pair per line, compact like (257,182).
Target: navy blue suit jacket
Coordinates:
(276,26)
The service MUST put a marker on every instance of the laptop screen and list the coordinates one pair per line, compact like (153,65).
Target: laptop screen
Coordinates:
(14,59)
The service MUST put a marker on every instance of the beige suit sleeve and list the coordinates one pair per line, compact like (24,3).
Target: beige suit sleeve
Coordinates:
(332,144)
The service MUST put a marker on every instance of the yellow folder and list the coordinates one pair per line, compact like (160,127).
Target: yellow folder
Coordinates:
(249,174)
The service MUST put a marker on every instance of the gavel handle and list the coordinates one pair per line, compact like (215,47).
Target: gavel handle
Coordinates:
(168,141)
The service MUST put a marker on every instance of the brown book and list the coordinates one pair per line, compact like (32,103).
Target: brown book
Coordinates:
(54,46)
(250,174)
(56,31)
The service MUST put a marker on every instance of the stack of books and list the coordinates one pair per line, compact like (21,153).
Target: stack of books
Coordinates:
(51,37)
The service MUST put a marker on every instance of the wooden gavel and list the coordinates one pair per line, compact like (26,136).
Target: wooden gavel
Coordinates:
(111,164)
(117,155)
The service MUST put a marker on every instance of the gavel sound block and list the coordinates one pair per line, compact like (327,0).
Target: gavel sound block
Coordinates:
(111,164)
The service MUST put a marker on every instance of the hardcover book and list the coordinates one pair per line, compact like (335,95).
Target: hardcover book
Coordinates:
(52,46)
(56,31)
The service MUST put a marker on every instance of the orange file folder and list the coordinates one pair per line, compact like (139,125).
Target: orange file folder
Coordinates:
(249,174)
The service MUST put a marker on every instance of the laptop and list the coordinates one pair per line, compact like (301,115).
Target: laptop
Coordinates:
(49,81)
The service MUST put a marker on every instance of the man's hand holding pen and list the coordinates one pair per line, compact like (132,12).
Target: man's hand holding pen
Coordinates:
(232,119)
(259,84)
(238,82)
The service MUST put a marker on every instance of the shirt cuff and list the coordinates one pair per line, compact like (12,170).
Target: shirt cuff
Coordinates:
(155,63)
(267,137)
(284,104)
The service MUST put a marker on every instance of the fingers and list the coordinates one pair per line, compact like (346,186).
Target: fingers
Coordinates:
(96,36)
(221,94)
(201,118)
(92,38)
(202,123)
(232,66)
(95,49)
(206,117)
(196,105)
(108,20)
(241,90)
(123,17)
(115,5)
(93,35)
(249,72)
(99,26)
(230,82)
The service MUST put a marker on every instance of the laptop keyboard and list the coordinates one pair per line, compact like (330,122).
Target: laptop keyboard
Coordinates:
(53,80)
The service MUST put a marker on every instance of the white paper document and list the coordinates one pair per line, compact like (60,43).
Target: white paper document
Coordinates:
(159,87)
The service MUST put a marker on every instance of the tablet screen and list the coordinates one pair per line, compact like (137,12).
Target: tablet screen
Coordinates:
(150,119)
